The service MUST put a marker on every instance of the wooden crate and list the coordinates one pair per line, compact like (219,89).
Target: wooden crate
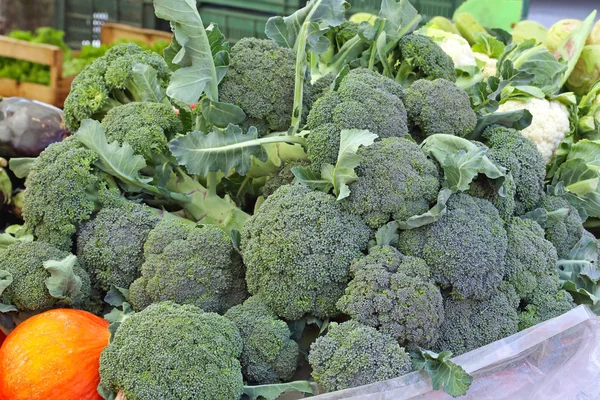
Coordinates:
(111,33)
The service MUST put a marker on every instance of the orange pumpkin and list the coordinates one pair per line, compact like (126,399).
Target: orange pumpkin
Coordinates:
(53,356)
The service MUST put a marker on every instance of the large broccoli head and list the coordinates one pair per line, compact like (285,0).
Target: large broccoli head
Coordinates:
(565,233)
(353,354)
(190,265)
(111,244)
(547,301)
(111,81)
(269,354)
(298,248)
(465,248)
(171,351)
(396,180)
(260,80)
(439,106)
(393,292)
(422,58)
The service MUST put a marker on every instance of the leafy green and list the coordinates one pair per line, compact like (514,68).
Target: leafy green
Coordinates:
(571,47)
(429,217)
(488,45)
(145,85)
(312,179)
(6,279)
(444,373)
(272,392)
(63,282)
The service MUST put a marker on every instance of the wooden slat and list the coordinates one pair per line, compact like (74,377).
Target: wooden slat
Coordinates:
(111,33)
(34,52)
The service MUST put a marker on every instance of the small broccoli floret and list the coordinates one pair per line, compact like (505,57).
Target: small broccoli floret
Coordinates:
(465,248)
(547,302)
(439,106)
(396,180)
(171,351)
(298,248)
(269,355)
(530,258)
(321,87)
(324,144)
(353,354)
(108,83)
(422,58)
(260,80)
(470,324)
(284,176)
(485,188)
(111,244)
(393,292)
(28,290)
(147,127)
(564,234)
(189,265)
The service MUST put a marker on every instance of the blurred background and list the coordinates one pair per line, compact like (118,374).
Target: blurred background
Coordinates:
(547,12)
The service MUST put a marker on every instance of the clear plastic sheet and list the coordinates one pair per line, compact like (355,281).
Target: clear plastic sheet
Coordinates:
(558,359)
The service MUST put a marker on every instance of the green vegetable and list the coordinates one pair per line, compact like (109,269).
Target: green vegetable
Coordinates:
(468,26)
(526,29)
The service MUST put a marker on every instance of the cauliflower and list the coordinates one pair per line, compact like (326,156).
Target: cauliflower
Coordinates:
(458,48)
(489,64)
(549,126)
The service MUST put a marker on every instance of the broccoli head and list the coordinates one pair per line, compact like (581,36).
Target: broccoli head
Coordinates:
(439,106)
(110,81)
(396,180)
(260,80)
(28,290)
(465,248)
(530,258)
(298,248)
(547,302)
(470,324)
(422,58)
(171,351)
(111,244)
(189,265)
(352,354)
(563,234)
(269,355)
(393,292)
(147,127)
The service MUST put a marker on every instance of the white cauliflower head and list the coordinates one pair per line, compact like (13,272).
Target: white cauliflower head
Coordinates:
(489,69)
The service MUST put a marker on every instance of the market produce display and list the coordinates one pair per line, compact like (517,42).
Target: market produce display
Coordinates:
(342,203)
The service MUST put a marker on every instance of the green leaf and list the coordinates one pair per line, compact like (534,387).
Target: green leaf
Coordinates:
(6,279)
(21,166)
(444,373)
(387,235)
(63,282)
(488,45)
(116,296)
(5,308)
(219,49)
(116,315)
(272,392)
(221,114)
(517,119)
(144,84)
(400,18)
(545,218)
(223,151)
(312,179)
(343,172)
(571,47)
(581,264)
(236,238)
(14,234)
(429,217)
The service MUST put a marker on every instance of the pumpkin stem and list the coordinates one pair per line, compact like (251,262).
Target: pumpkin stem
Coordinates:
(121,396)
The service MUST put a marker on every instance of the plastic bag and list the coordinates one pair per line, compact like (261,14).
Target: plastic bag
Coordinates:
(556,360)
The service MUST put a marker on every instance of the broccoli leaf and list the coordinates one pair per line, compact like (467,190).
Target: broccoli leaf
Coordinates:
(488,45)
(444,373)
(144,84)
(387,235)
(400,18)
(343,172)
(63,282)
(13,234)
(21,166)
(517,119)
(312,179)
(116,296)
(272,392)
(221,114)
(6,279)
(429,217)
(545,218)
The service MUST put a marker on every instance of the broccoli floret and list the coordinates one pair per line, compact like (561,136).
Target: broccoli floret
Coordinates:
(520,156)
(260,80)
(147,127)
(530,258)
(298,248)
(171,351)
(465,248)
(563,234)
(393,292)
(396,180)
(284,176)
(547,302)
(269,355)
(485,188)
(470,324)
(190,265)
(111,244)
(28,290)
(353,354)
(439,106)
(107,83)
(422,58)
(321,87)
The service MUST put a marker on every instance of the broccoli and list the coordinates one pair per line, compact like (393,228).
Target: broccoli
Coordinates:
(189,265)
(321,87)
(547,301)
(353,354)
(171,351)
(439,106)
(530,258)
(110,81)
(563,234)
(363,100)
(284,176)
(396,180)
(465,248)
(393,292)
(260,80)
(111,244)
(422,58)
(485,188)
(269,355)
(28,290)
(470,324)
(298,248)
(147,127)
